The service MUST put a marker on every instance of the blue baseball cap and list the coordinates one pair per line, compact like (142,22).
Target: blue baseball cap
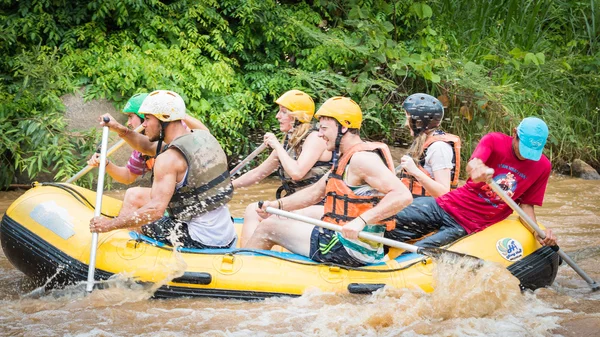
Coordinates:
(533,133)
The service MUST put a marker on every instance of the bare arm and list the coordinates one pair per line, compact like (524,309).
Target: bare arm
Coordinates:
(478,171)
(306,197)
(193,123)
(369,167)
(312,150)
(166,168)
(135,140)
(438,156)
(120,173)
(301,199)
(436,186)
(258,173)
(550,239)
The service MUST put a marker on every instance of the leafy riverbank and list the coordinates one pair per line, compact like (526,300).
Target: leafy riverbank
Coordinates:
(492,62)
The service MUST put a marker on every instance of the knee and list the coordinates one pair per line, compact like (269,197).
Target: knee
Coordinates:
(134,195)
(250,211)
(265,227)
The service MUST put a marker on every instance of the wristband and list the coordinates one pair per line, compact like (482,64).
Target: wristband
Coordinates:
(360,217)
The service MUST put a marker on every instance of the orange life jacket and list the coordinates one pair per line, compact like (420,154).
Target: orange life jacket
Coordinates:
(150,162)
(341,204)
(414,186)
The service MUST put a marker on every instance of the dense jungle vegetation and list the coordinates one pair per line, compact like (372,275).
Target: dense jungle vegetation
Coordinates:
(491,61)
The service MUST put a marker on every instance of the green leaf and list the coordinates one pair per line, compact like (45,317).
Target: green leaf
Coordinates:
(530,58)
(541,58)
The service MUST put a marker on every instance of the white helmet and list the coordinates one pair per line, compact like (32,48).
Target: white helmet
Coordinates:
(165,105)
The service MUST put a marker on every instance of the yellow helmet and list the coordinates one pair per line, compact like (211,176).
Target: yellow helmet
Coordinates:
(299,103)
(344,110)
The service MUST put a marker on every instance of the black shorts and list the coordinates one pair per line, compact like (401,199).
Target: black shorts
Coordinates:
(161,229)
(325,247)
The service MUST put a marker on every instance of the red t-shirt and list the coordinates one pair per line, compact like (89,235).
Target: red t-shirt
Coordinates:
(475,206)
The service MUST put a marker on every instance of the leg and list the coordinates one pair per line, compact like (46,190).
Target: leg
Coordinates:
(416,220)
(251,221)
(450,231)
(292,234)
(134,199)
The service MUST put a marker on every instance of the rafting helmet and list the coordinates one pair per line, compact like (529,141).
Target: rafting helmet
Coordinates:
(299,103)
(133,105)
(165,105)
(426,112)
(344,110)
(347,113)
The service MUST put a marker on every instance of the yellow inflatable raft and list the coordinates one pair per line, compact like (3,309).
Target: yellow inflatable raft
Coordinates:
(45,234)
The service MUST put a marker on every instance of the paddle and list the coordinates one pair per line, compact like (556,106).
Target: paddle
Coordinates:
(108,153)
(97,210)
(499,191)
(430,252)
(251,156)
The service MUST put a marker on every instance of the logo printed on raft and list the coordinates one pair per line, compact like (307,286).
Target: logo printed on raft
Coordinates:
(510,249)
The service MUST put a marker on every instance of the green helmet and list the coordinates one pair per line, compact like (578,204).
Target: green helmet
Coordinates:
(134,103)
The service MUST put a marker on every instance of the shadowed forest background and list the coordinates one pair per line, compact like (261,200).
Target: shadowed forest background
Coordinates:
(491,62)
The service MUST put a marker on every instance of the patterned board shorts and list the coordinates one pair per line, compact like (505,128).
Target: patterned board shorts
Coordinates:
(326,247)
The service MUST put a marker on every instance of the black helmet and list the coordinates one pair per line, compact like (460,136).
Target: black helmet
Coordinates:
(426,112)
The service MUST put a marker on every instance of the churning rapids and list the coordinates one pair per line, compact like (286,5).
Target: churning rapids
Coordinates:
(484,302)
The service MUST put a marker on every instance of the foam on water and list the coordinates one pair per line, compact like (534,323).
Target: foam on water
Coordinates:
(469,299)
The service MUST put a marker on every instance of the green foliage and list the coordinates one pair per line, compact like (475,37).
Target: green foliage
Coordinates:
(32,128)
(495,61)
(533,57)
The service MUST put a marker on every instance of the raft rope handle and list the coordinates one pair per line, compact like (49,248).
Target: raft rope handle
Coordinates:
(76,194)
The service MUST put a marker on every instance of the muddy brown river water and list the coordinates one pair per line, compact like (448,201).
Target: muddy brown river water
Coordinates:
(485,303)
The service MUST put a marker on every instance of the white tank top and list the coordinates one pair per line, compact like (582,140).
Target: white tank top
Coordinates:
(213,228)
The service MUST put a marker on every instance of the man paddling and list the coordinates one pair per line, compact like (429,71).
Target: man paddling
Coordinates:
(518,166)
(362,193)
(190,178)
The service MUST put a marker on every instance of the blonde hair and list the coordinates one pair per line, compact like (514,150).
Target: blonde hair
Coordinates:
(296,138)
(417,147)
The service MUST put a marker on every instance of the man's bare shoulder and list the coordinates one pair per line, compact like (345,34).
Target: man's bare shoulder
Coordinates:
(171,159)
(366,156)
(367,161)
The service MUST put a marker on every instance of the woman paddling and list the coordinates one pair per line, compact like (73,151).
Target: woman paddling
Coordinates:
(432,165)
(300,160)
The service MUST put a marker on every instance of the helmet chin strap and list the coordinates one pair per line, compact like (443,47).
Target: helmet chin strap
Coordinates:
(161,137)
(336,152)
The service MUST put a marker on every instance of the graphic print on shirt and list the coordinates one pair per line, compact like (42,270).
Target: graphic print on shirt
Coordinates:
(507,182)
